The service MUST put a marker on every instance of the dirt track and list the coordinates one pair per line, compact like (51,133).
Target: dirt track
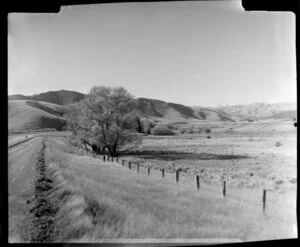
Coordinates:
(42,208)
(31,211)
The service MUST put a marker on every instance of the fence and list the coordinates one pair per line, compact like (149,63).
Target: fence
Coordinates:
(106,158)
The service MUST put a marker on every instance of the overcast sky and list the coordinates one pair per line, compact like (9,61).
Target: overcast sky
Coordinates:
(204,53)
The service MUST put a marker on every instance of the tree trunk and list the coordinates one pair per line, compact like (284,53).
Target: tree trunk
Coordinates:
(85,147)
(111,150)
(114,151)
(106,150)
(96,149)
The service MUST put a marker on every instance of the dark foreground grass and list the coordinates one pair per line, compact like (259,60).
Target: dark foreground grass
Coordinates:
(108,201)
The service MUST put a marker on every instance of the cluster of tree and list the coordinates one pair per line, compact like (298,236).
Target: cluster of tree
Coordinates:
(105,120)
(162,130)
(145,125)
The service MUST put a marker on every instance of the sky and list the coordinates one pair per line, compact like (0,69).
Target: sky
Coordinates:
(197,53)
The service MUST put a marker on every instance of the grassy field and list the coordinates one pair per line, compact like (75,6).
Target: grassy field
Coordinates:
(244,154)
(26,115)
(98,201)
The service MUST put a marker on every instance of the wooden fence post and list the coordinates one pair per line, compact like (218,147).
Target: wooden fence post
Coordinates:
(264,199)
(94,155)
(129,165)
(117,160)
(148,170)
(122,162)
(104,157)
(138,168)
(177,176)
(112,159)
(224,189)
(163,172)
(198,182)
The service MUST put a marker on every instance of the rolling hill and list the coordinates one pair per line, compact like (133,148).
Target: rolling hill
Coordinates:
(62,97)
(262,110)
(160,110)
(152,108)
(25,115)
(45,110)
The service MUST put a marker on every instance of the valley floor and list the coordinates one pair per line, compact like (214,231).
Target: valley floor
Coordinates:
(84,199)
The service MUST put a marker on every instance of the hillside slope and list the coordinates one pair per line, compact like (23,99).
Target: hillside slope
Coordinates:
(262,110)
(162,111)
(159,109)
(24,115)
(212,114)
(151,108)
(62,97)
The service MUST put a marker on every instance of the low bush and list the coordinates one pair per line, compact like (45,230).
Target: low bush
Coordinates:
(197,130)
(172,127)
(153,124)
(182,131)
(162,130)
(278,144)
(207,131)
(189,131)
(208,137)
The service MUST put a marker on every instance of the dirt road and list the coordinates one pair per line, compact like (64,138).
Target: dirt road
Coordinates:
(21,175)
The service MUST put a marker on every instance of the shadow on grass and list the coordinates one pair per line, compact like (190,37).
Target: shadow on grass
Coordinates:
(172,155)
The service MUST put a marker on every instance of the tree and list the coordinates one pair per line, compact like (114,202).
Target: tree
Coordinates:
(105,120)
(145,125)
(78,125)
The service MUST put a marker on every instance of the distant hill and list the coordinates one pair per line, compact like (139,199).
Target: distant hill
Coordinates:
(45,110)
(161,110)
(152,108)
(282,115)
(25,115)
(262,110)
(62,97)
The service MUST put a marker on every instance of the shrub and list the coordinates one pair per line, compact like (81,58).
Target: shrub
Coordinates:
(278,144)
(182,131)
(190,130)
(153,124)
(172,127)
(197,130)
(207,131)
(162,130)
(208,137)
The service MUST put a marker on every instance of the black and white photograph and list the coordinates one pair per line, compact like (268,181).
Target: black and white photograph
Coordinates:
(152,122)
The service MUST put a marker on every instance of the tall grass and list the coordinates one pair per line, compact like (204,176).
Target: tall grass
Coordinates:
(106,200)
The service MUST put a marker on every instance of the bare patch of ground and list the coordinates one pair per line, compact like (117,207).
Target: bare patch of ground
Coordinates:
(42,208)
(172,155)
